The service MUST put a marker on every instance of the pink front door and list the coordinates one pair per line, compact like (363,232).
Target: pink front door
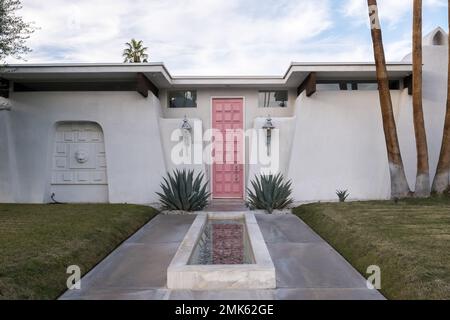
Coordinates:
(228,164)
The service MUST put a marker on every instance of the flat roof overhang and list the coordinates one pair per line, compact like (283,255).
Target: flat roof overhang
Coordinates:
(158,74)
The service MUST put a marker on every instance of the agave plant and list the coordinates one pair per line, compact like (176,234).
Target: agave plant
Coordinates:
(182,192)
(342,195)
(269,193)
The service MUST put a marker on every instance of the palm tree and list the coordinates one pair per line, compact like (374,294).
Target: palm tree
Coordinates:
(441,181)
(135,52)
(423,173)
(399,184)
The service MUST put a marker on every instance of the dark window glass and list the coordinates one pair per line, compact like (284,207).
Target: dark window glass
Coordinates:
(328,86)
(355,85)
(183,99)
(394,84)
(273,99)
(368,86)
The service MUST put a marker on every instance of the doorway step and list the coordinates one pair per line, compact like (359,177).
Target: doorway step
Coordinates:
(226,205)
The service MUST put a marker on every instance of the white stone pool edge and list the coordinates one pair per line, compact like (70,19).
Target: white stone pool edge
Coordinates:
(260,275)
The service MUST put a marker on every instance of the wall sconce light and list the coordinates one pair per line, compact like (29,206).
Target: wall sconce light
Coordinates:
(268,126)
(187,128)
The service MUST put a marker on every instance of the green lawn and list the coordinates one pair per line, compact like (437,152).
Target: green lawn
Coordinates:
(38,243)
(409,240)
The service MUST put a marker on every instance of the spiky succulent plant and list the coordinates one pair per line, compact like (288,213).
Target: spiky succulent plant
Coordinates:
(342,195)
(182,192)
(269,192)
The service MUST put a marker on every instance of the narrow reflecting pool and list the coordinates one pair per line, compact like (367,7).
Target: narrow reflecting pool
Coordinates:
(223,241)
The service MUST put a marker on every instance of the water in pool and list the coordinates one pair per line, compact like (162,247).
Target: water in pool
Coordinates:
(223,242)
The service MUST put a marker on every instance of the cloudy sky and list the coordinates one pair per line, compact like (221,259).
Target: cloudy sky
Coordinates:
(206,37)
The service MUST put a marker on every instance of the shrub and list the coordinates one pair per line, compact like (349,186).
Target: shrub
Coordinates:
(182,192)
(269,193)
(342,195)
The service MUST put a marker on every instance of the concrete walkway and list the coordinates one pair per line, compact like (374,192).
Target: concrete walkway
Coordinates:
(306,266)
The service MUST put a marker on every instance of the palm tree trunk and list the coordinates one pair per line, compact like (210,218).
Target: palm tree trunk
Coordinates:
(423,173)
(399,184)
(441,181)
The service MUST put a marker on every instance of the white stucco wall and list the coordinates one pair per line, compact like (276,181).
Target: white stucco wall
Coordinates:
(285,127)
(251,112)
(434,90)
(339,141)
(8,170)
(203,110)
(168,129)
(332,140)
(434,99)
(339,144)
(132,140)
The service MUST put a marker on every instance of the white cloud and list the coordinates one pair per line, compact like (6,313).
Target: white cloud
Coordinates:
(210,37)
(196,36)
(394,14)
(391,11)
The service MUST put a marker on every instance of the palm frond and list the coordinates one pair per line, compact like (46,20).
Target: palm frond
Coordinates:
(135,52)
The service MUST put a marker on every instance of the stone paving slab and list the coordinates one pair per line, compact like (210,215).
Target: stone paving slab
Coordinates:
(306,266)
(165,228)
(285,228)
(138,267)
(222,295)
(119,294)
(312,265)
(327,294)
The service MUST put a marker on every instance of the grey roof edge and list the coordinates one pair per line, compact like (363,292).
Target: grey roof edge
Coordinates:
(150,67)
